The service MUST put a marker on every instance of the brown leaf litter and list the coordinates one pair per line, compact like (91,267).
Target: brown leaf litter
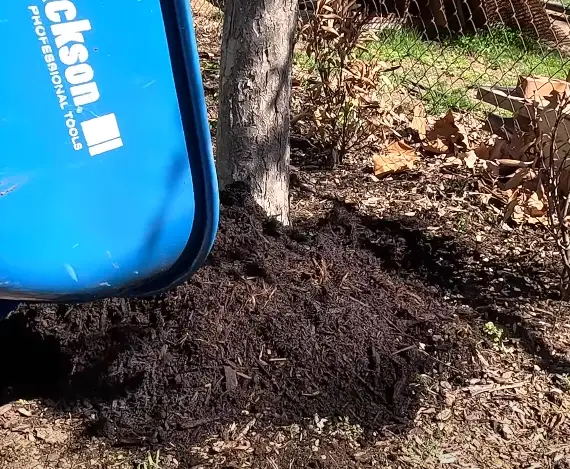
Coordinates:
(399,156)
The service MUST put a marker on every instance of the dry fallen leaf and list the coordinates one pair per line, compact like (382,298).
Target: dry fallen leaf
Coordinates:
(452,161)
(485,198)
(444,415)
(445,127)
(518,214)
(525,207)
(515,149)
(491,168)
(399,157)
(463,138)
(419,121)
(498,149)
(521,175)
(482,152)
(450,132)
(535,207)
(511,205)
(436,146)
(534,87)
(470,159)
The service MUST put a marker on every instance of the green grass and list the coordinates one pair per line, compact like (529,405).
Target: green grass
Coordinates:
(439,99)
(446,73)
(451,69)
(509,50)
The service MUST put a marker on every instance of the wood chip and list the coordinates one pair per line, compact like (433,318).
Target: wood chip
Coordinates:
(5,408)
(24,412)
(231,378)
(246,429)
(21,428)
(449,458)
(445,415)
(480,389)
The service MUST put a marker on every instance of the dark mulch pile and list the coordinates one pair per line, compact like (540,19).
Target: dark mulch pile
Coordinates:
(280,324)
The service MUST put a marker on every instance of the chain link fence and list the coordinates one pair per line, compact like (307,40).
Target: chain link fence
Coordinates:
(441,52)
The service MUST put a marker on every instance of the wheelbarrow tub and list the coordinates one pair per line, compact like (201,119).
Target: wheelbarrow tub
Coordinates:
(107,179)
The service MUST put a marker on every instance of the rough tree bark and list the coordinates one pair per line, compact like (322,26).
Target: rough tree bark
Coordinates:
(254,100)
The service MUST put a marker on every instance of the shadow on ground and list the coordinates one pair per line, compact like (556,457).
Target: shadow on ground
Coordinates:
(494,288)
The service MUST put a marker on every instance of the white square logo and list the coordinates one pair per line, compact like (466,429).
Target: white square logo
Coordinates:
(102,134)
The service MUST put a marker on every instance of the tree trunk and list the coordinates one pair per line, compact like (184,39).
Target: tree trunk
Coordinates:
(254,100)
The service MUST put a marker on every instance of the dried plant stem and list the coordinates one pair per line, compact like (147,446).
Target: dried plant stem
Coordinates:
(553,166)
(333,36)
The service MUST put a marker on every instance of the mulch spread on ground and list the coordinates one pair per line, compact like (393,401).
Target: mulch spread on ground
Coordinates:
(280,324)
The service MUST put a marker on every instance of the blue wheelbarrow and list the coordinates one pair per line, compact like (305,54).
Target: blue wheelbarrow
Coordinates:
(107,179)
